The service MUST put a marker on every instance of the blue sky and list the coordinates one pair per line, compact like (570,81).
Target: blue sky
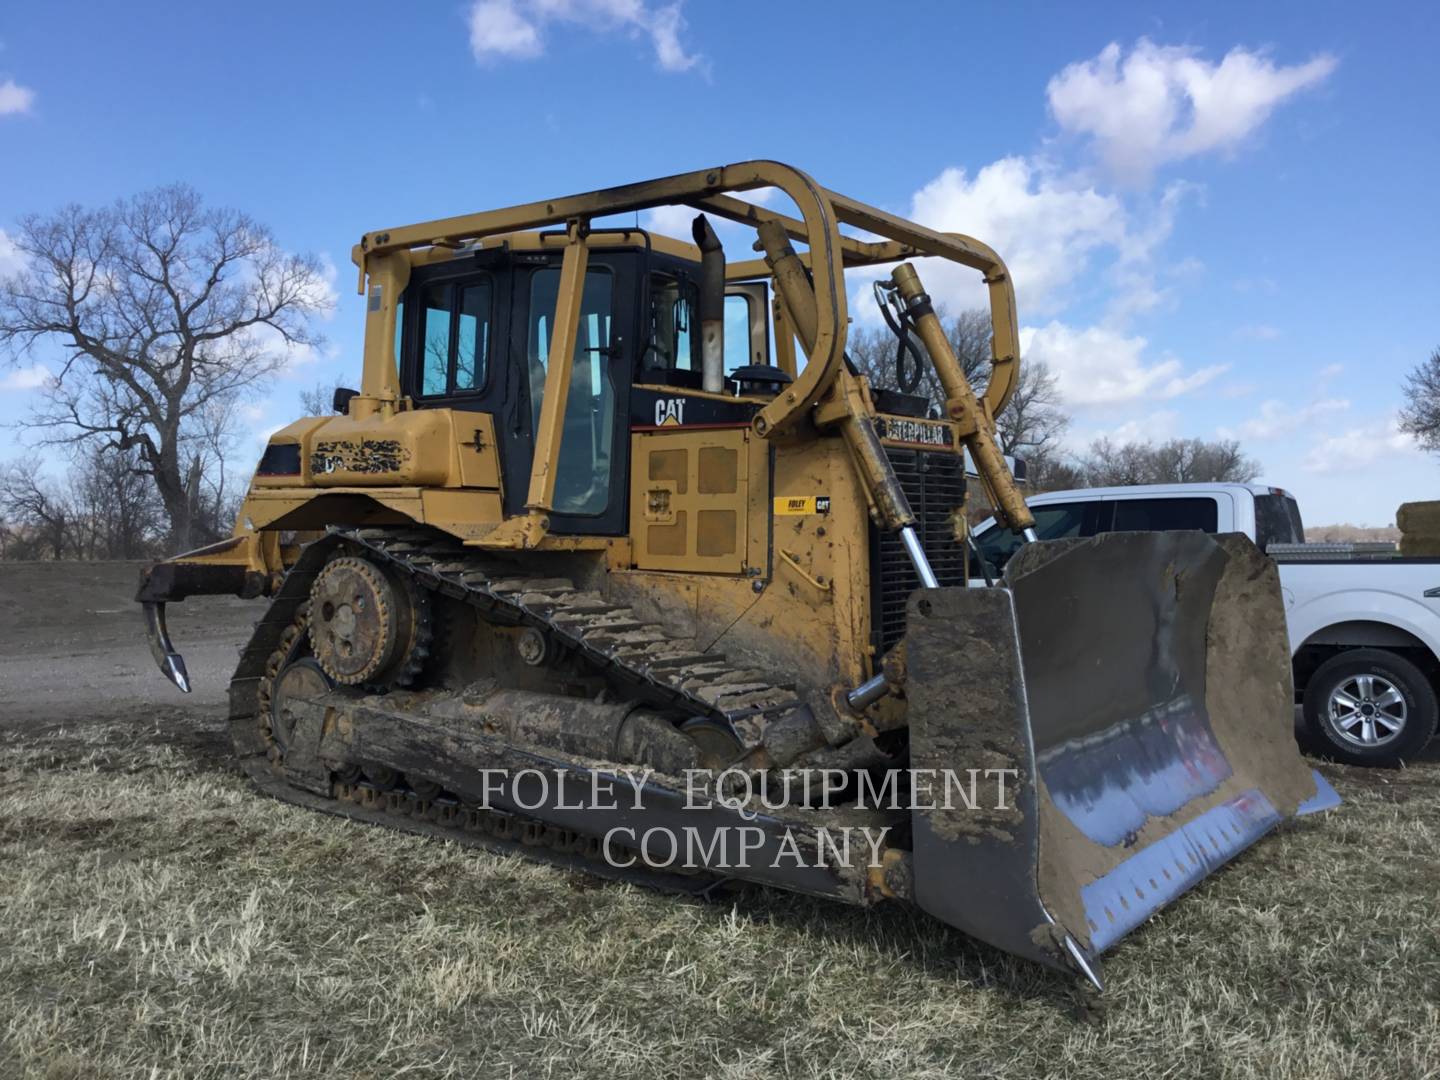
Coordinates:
(1221,218)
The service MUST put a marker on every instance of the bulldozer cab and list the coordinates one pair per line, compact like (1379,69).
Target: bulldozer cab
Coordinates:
(474,333)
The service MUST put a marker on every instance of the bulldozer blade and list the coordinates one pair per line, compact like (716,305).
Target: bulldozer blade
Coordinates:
(1127,702)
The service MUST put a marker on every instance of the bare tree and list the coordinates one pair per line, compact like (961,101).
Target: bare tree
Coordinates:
(119,511)
(1052,470)
(1177,461)
(166,312)
(1031,423)
(1421,414)
(36,507)
(105,507)
(319,400)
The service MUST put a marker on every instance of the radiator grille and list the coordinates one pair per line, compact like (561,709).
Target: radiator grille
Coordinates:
(935,484)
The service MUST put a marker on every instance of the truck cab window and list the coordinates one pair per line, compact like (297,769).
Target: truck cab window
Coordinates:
(998,544)
(582,481)
(1164,515)
(1277,521)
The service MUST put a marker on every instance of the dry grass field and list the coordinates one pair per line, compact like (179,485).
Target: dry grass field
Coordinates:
(160,919)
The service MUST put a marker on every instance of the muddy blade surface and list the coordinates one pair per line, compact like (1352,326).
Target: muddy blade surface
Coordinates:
(1139,685)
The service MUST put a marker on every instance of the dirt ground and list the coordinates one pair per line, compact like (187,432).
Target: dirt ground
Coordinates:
(158,918)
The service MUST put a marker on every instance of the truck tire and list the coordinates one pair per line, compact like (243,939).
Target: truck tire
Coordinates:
(1370,707)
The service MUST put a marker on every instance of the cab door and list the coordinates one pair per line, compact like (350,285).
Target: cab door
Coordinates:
(591,478)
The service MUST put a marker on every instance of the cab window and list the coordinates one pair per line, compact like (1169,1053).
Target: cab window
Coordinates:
(582,480)
(454,336)
(672,335)
(737,334)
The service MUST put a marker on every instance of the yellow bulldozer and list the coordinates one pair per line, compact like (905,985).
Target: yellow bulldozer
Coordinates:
(614,509)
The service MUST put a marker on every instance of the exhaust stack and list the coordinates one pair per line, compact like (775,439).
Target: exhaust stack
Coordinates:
(712,305)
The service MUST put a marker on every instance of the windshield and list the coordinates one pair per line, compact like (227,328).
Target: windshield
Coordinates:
(1052,522)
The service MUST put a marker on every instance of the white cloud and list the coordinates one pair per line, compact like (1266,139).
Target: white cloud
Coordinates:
(1134,276)
(1054,230)
(505,28)
(293,355)
(1233,390)
(29,378)
(12,259)
(322,292)
(1097,366)
(1379,440)
(1257,332)
(259,419)
(14,98)
(262,434)
(664,26)
(1277,418)
(1163,103)
(497,29)
(672,221)
(1152,427)
(1045,226)
(676,222)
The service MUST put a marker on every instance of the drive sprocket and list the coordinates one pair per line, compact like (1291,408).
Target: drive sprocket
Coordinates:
(367,627)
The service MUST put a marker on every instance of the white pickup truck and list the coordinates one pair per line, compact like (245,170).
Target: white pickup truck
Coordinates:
(1364,623)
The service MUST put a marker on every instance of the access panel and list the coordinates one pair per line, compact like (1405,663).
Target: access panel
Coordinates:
(689,500)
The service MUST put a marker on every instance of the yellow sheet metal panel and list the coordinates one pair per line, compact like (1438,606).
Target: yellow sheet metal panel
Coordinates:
(719,470)
(717,533)
(279,508)
(479,458)
(466,514)
(821,524)
(689,500)
(404,448)
(666,541)
(669,465)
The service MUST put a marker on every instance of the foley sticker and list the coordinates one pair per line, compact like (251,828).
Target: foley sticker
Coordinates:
(802,504)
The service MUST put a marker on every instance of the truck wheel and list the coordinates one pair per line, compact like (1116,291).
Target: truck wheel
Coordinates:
(1370,707)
